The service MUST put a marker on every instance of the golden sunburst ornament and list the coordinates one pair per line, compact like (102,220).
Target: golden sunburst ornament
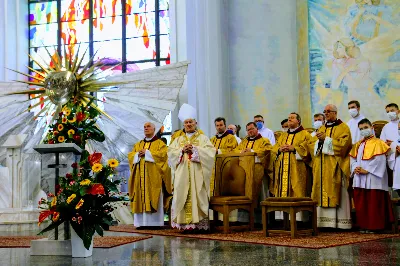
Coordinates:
(66,81)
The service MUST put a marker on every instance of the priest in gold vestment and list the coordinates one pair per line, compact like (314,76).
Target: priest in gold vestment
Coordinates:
(149,175)
(192,158)
(331,171)
(223,142)
(289,159)
(254,142)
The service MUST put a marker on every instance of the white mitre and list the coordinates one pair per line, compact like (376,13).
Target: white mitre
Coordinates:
(187,112)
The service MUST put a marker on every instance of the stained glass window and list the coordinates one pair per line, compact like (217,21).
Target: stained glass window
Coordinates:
(134,32)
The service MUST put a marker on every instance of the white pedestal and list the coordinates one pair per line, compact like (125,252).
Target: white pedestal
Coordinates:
(46,247)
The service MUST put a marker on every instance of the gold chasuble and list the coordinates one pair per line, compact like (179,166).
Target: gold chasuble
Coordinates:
(223,144)
(191,181)
(148,173)
(331,174)
(181,132)
(290,168)
(262,147)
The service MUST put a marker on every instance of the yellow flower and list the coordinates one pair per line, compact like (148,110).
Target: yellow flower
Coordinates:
(56,215)
(64,120)
(71,132)
(61,139)
(97,167)
(54,202)
(113,163)
(60,127)
(85,182)
(67,111)
(71,198)
(72,120)
(80,203)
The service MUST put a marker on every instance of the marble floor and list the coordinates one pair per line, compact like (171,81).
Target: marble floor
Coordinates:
(184,251)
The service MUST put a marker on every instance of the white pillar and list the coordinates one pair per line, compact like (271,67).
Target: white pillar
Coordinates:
(201,37)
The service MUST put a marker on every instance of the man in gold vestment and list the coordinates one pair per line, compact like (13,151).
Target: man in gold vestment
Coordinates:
(254,142)
(192,158)
(149,174)
(290,157)
(331,171)
(223,143)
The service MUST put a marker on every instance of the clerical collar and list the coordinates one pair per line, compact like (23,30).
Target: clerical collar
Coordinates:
(296,130)
(334,123)
(395,121)
(255,138)
(220,136)
(150,139)
(190,134)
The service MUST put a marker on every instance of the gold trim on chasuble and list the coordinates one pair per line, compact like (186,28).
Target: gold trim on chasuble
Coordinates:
(324,194)
(285,173)
(145,196)
(188,204)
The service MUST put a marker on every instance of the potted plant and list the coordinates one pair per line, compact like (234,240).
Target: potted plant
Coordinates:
(83,198)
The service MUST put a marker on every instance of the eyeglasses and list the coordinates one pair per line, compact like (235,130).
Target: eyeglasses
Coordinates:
(328,111)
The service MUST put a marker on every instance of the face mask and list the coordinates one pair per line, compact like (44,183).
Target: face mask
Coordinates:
(353,112)
(366,132)
(229,131)
(259,125)
(285,129)
(392,116)
(317,124)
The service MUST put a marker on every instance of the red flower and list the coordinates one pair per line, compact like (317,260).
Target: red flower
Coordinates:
(80,116)
(43,215)
(96,189)
(51,141)
(77,138)
(94,158)
(69,175)
(74,165)
(57,189)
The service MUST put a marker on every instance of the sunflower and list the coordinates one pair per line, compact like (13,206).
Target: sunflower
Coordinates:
(61,139)
(71,132)
(67,111)
(72,120)
(71,198)
(80,203)
(113,163)
(85,182)
(60,127)
(64,120)
(54,202)
(97,167)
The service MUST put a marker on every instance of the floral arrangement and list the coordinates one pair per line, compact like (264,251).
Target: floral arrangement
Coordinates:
(75,124)
(83,198)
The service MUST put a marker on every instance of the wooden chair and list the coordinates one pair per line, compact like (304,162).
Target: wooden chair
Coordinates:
(310,130)
(234,188)
(378,125)
(289,206)
(277,134)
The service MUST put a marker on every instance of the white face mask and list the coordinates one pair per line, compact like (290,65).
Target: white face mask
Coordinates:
(353,112)
(285,129)
(392,116)
(366,132)
(317,124)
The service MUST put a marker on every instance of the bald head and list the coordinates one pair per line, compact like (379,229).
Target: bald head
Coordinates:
(330,113)
(149,129)
(233,128)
